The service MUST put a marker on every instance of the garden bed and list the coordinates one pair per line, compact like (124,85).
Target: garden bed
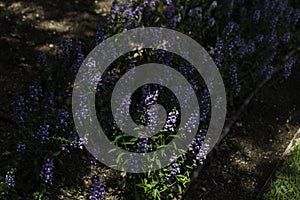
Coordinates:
(238,167)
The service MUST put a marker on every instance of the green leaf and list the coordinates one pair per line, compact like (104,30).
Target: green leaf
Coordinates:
(55,154)
(120,156)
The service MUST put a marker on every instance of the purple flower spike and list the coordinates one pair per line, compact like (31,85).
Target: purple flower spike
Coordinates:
(10,178)
(47,170)
(96,189)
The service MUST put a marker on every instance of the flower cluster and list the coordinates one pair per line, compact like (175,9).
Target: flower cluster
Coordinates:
(21,147)
(171,121)
(10,178)
(47,170)
(198,148)
(288,67)
(142,145)
(96,190)
(43,133)
(37,99)
(175,169)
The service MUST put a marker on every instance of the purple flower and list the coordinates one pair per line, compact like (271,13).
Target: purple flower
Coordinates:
(64,148)
(170,11)
(267,70)
(138,11)
(272,38)
(175,169)
(288,13)
(230,7)
(256,15)
(270,58)
(230,48)
(171,24)
(296,16)
(115,8)
(150,99)
(237,40)
(186,69)
(114,11)
(10,178)
(288,67)
(242,50)
(151,3)
(259,38)
(47,170)
(62,120)
(231,27)
(77,64)
(214,4)
(100,35)
(73,138)
(21,147)
(142,145)
(244,11)
(198,148)
(234,79)
(171,121)
(273,22)
(66,47)
(198,12)
(218,54)
(211,21)
(204,104)
(35,93)
(127,14)
(169,2)
(96,190)
(165,57)
(43,133)
(286,37)
(20,109)
(81,143)
(42,59)
(251,47)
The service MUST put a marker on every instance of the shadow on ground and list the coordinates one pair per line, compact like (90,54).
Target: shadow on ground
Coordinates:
(249,153)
